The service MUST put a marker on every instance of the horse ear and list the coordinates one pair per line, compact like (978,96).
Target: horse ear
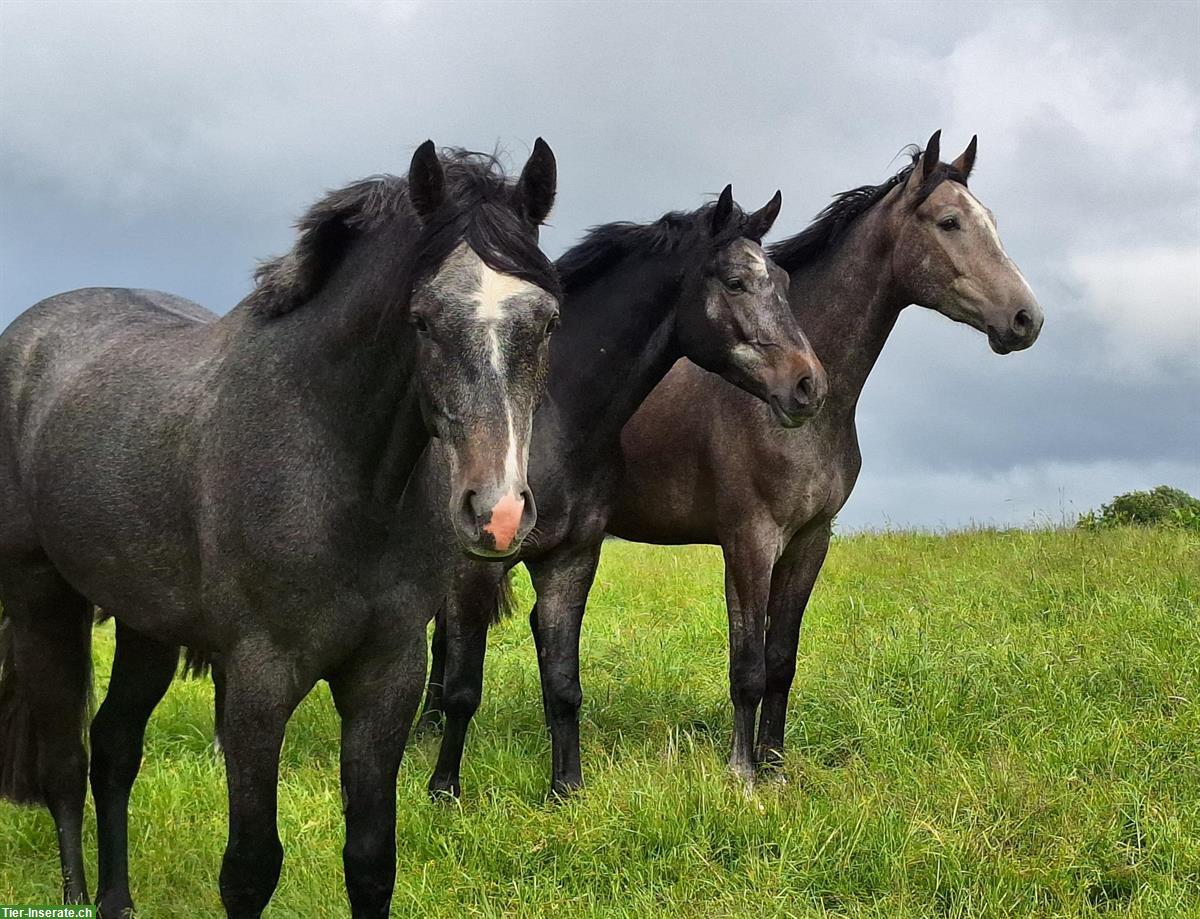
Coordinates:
(538,183)
(927,163)
(932,155)
(760,222)
(966,162)
(723,211)
(426,181)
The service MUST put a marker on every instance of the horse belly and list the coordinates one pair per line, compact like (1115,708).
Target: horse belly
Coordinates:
(663,512)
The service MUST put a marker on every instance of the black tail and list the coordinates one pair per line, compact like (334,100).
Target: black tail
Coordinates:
(505,602)
(18,741)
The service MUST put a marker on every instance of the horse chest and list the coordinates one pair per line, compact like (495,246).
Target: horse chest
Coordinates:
(575,508)
(813,483)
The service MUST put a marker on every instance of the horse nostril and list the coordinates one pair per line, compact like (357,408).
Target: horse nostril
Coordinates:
(529,513)
(1022,321)
(468,515)
(805,388)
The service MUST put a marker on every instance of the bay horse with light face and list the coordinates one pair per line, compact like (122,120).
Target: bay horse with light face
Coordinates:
(231,485)
(704,465)
(637,298)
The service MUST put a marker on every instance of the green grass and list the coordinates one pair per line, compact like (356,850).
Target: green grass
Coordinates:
(983,724)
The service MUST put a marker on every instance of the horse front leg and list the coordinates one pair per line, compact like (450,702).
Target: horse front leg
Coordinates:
(377,698)
(467,613)
(562,583)
(747,592)
(791,586)
(262,688)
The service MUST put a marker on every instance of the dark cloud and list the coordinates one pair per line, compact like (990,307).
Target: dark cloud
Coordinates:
(171,145)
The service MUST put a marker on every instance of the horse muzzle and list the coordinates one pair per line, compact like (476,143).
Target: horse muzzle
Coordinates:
(492,522)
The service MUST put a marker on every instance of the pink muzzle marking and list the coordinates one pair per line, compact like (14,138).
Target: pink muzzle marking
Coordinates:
(506,520)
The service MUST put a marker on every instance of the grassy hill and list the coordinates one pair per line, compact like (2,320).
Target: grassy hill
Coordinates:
(983,724)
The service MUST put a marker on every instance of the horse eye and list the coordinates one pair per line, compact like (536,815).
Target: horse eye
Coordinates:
(948,223)
(735,284)
(421,325)
(551,325)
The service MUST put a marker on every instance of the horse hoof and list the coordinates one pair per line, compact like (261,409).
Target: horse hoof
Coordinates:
(745,776)
(770,768)
(115,908)
(774,776)
(440,790)
(562,791)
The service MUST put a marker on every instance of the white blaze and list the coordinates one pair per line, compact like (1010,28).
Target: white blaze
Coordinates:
(981,213)
(512,469)
(495,290)
(972,204)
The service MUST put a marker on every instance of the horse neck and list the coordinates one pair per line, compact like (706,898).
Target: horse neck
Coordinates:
(847,301)
(616,344)
(348,357)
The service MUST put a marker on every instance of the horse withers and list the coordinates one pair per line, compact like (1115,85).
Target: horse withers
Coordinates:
(231,485)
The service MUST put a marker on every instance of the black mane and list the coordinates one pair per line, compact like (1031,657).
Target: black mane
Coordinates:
(480,208)
(829,226)
(608,243)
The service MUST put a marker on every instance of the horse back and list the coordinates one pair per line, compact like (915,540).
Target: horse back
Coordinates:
(66,345)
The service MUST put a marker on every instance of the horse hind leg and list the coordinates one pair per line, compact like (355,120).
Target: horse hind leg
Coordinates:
(141,672)
(45,689)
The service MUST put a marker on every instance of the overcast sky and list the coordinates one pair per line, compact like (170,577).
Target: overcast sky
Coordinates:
(170,146)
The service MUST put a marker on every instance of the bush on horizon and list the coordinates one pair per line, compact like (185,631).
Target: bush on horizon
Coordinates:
(1160,507)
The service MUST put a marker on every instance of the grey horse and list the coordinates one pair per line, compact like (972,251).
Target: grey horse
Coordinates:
(231,485)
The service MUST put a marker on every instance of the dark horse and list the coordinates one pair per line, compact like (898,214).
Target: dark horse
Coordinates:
(637,298)
(231,485)
(704,466)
